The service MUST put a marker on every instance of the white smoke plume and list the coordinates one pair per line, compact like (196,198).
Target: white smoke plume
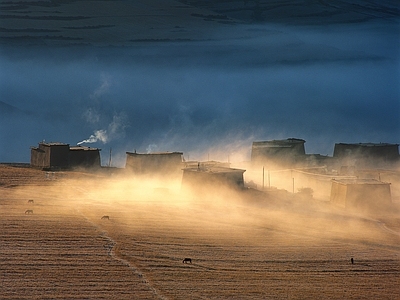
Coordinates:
(151,148)
(116,129)
(102,89)
(91,116)
(99,135)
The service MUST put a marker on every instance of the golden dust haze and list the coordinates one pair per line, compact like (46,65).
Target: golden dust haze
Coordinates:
(244,244)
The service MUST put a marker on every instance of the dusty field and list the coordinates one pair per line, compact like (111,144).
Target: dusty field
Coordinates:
(64,250)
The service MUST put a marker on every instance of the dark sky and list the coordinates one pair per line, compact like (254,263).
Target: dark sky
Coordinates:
(207,97)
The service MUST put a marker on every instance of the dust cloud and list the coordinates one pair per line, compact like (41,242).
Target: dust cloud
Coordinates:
(223,212)
(109,231)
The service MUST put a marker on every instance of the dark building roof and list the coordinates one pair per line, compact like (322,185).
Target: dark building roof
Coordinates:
(279,153)
(288,143)
(83,148)
(206,164)
(214,170)
(53,144)
(367,154)
(368,144)
(155,153)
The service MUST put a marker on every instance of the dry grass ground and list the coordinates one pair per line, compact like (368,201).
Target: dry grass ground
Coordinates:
(64,250)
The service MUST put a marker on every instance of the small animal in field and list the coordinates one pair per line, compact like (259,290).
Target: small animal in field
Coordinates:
(29,212)
(30,201)
(105,217)
(352,261)
(187,260)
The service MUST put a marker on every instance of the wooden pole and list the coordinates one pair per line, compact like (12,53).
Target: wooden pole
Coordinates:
(293,184)
(109,161)
(263,179)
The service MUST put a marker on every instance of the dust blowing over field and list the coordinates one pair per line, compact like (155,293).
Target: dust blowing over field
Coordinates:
(242,244)
(229,213)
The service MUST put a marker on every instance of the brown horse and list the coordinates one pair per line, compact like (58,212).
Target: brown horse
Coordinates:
(187,260)
(30,201)
(105,218)
(29,212)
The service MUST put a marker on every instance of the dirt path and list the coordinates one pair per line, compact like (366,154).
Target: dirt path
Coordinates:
(251,258)
(56,253)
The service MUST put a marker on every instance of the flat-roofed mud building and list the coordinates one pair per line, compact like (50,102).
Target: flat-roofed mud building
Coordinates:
(365,194)
(84,157)
(278,153)
(62,156)
(160,163)
(366,154)
(202,177)
(50,156)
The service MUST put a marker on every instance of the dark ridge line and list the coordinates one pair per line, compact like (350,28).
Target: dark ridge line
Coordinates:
(51,18)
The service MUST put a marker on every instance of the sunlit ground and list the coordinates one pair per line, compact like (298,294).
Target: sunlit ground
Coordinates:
(242,246)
